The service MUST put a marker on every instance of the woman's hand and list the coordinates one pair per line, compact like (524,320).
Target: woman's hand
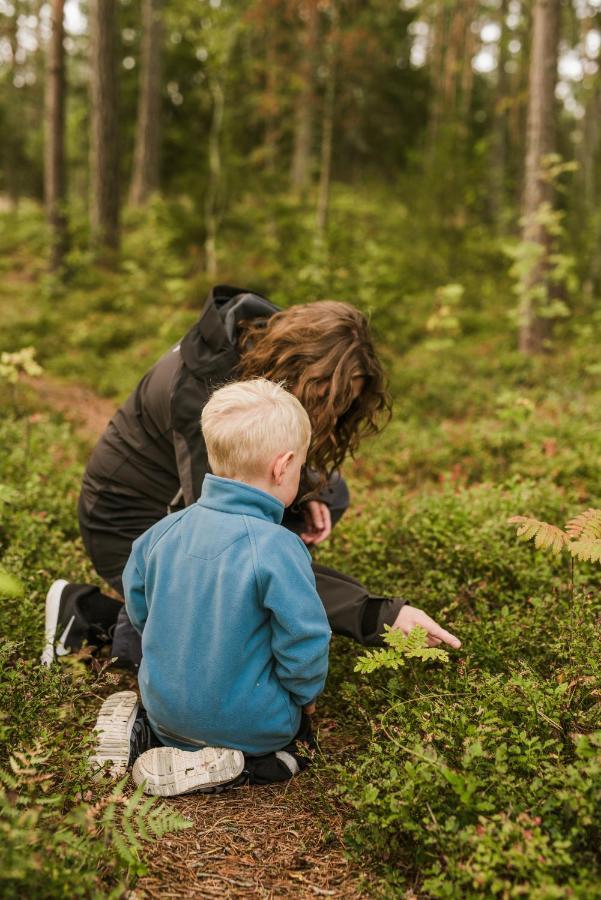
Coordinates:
(318,522)
(409,617)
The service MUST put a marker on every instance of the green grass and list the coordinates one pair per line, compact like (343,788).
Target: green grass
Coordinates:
(478,777)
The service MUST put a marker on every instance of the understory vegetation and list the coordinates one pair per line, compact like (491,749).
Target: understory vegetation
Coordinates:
(476,776)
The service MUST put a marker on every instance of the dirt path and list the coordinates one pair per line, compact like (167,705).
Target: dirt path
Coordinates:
(88,412)
(272,842)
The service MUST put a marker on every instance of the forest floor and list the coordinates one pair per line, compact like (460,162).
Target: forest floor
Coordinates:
(253,842)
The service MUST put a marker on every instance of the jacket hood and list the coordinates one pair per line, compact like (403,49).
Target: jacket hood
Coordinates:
(210,345)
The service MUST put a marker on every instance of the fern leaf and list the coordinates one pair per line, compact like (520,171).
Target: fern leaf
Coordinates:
(586,550)
(143,818)
(163,820)
(586,526)
(546,536)
(400,647)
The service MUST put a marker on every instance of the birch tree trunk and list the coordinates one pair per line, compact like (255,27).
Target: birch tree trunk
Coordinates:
(540,142)
(104,152)
(145,175)
(54,145)
(300,172)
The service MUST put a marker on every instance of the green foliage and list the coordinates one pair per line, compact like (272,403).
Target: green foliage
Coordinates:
(485,777)
(53,847)
(23,361)
(544,273)
(400,648)
(62,834)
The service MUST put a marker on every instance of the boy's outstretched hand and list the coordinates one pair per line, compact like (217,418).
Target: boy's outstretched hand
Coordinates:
(409,617)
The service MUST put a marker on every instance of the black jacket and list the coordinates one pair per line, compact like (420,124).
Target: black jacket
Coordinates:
(152,457)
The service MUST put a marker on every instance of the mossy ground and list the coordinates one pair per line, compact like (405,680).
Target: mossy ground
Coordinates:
(478,778)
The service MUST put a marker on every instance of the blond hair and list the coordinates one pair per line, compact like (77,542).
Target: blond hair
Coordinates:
(246,423)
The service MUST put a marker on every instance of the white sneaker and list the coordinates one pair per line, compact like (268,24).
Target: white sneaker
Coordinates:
(114,727)
(167,771)
(52,622)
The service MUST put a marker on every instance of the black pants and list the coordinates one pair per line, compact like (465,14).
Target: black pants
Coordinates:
(266,768)
(352,611)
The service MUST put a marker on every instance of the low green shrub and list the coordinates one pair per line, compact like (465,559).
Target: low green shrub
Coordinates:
(62,834)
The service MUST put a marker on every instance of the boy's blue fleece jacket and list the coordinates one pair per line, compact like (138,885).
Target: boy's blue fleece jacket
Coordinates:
(234,635)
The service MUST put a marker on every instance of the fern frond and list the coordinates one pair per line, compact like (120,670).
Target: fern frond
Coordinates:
(163,820)
(379,659)
(586,526)
(144,818)
(128,822)
(586,550)
(546,536)
(8,780)
(400,648)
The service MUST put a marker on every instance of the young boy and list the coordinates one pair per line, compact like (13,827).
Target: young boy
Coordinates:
(234,635)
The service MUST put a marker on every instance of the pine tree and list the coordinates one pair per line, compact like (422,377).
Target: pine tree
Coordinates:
(145,175)
(54,151)
(104,151)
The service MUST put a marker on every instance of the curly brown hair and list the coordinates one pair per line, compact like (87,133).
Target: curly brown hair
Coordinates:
(316,350)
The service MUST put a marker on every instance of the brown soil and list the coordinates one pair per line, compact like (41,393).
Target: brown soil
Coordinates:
(88,412)
(253,842)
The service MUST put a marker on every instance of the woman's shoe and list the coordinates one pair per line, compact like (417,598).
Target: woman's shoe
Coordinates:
(167,771)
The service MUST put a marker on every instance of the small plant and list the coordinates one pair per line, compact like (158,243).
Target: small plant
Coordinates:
(12,365)
(443,325)
(400,648)
(53,846)
(581,538)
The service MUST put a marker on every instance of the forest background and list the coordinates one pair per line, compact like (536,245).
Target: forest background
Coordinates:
(437,164)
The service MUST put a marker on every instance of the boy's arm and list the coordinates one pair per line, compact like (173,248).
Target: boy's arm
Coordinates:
(300,629)
(135,595)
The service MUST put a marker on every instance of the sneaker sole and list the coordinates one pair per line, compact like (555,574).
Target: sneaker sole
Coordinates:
(167,771)
(114,727)
(53,602)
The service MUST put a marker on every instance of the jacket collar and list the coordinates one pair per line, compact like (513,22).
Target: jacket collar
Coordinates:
(226,495)
(209,348)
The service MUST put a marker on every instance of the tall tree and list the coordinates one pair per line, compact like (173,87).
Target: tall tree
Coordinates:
(499,125)
(538,189)
(104,151)
(304,114)
(11,138)
(54,149)
(145,175)
(214,181)
(327,123)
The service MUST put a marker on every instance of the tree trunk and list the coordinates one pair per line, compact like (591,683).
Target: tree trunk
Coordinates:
(498,176)
(11,141)
(327,128)
(211,212)
(300,173)
(104,152)
(145,176)
(271,104)
(54,149)
(540,142)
